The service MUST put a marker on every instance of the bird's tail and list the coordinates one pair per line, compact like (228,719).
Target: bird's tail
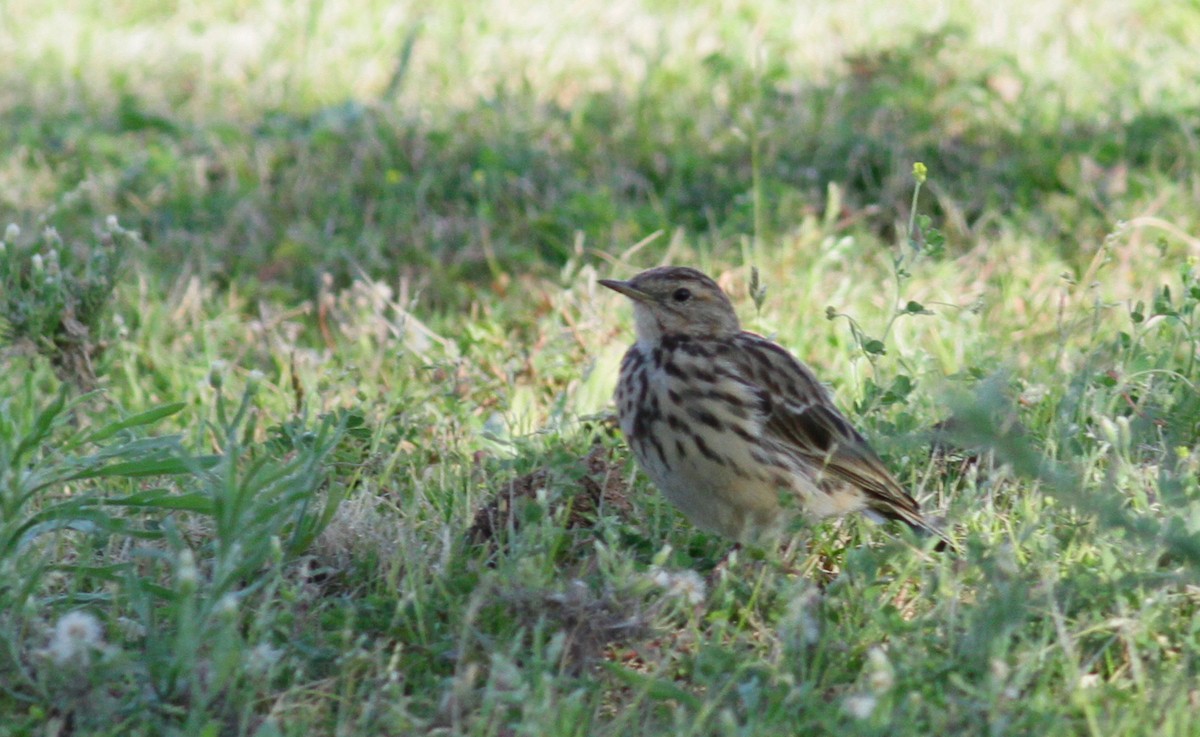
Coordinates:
(915,520)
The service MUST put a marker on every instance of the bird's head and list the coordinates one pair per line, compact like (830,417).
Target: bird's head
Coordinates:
(676,300)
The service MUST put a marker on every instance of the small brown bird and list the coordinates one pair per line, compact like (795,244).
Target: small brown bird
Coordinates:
(731,427)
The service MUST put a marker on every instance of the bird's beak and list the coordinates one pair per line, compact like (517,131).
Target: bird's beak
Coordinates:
(626,288)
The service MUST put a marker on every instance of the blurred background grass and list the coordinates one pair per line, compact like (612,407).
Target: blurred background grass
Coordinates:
(331,268)
(269,143)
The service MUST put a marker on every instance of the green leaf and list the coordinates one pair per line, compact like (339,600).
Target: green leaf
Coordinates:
(156,590)
(114,572)
(143,447)
(76,518)
(164,499)
(875,347)
(916,308)
(149,467)
(1163,304)
(41,426)
(148,417)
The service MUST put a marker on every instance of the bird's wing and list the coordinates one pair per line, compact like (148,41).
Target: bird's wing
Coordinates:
(801,418)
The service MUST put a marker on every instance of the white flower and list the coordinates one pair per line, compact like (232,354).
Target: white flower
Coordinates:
(687,585)
(186,571)
(802,618)
(227,605)
(1034,394)
(880,676)
(12,233)
(111,224)
(859,706)
(75,636)
(261,657)
(131,628)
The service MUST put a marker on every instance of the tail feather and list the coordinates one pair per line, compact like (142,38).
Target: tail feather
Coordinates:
(917,522)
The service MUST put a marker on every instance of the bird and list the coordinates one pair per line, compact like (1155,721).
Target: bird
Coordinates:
(733,429)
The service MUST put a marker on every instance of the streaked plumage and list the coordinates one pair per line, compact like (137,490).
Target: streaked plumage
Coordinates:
(730,426)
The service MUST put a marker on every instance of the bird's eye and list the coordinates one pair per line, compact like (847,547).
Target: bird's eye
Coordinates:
(681,295)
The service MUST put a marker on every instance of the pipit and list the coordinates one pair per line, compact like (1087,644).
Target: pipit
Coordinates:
(733,429)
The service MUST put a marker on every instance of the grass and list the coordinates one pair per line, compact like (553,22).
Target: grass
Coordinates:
(311,436)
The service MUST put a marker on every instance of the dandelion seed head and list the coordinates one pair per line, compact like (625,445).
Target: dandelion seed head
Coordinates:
(880,675)
(261,657)
(801,618)
(687,585)
(227,605)
(860,706)
(76,634)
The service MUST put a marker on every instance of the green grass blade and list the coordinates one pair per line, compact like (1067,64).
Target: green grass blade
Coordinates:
(149,417)
(164,499)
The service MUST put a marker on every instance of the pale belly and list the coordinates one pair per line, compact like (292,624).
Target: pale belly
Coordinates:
(716,500)
(715,477)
